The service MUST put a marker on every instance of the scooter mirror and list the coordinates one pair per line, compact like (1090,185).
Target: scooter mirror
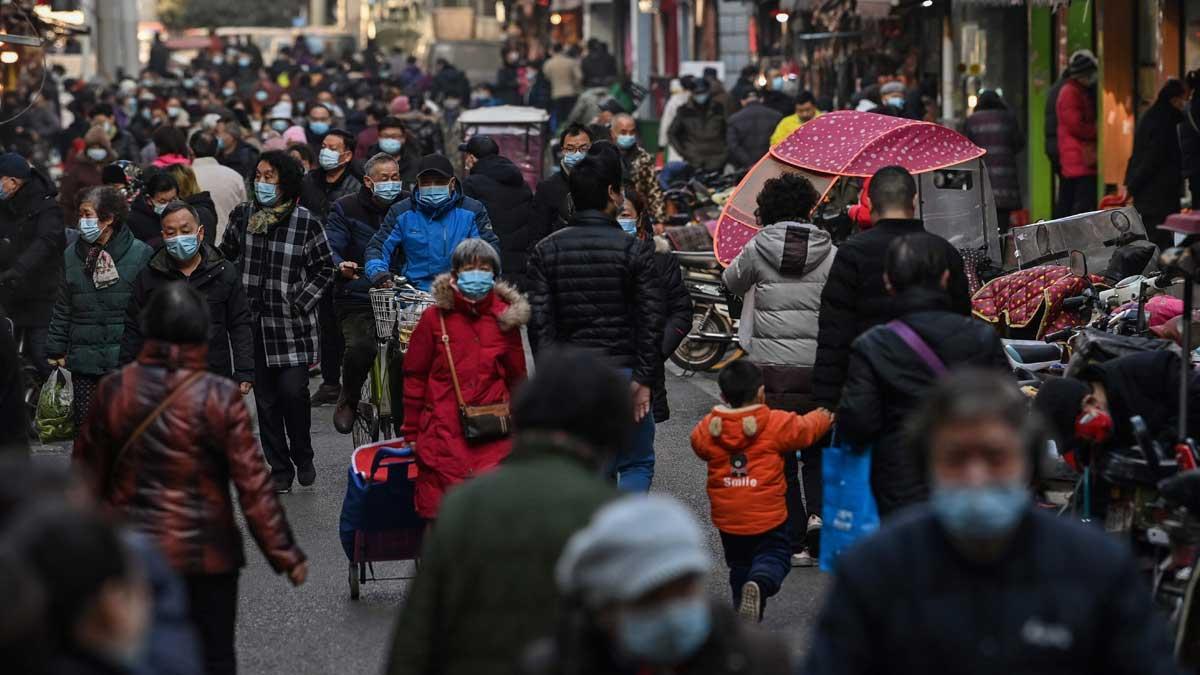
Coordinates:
(1078,264)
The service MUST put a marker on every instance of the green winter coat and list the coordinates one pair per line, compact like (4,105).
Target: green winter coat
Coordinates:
(486,588)
(87,323)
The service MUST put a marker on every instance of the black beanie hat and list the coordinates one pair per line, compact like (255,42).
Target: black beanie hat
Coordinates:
(1059,401)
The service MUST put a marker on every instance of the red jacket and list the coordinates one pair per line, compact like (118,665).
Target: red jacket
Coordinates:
(173,483)
(489,357)
(1076,109)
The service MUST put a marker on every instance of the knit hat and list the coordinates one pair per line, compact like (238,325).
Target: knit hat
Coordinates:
(633,546)
(295,135)
(1059,401)
(97,136)
(14,166)
(1082,61)
(399,105)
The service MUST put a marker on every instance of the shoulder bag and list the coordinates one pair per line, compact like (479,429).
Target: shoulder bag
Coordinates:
(918,346)
(145,424)
(481,423)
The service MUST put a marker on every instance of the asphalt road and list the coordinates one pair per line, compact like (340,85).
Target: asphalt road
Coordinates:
(317,629)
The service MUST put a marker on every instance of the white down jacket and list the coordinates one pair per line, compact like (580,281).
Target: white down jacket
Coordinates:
(786,265)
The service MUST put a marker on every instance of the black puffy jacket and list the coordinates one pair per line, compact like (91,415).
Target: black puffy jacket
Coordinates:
(499,185)
(1154,175)
(146,225)
(352,223)
(31,248)
(854,300)
(1062,599)
(552,204)
(887,380)
(749,134)
(698,133)
(219,281)
(318,196)
(593,286)
(677,322)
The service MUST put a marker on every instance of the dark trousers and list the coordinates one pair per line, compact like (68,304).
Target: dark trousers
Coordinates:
(1076,195)
(787,388)
(763,558)
(284,415)
(212,606)
(358,334)
(35,347)
(1161,238)
(562,107)
(331,341)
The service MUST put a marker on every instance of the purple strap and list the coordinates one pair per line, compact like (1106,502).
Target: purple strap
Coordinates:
(919,346)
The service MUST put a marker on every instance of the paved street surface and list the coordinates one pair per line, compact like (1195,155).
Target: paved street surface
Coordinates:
(318,629)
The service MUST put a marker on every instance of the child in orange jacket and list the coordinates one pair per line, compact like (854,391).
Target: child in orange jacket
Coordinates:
(743,443)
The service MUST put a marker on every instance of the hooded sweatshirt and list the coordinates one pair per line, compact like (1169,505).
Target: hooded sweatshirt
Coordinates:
(744,450)
(785,265)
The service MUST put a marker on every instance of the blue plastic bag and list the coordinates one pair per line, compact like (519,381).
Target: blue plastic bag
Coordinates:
(848,511)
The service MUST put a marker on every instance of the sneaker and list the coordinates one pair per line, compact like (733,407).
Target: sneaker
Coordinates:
(814,523)
(343,417)
(751,605)
(326,394)
(812,538)
(282,488)
(804,559)
(306,474)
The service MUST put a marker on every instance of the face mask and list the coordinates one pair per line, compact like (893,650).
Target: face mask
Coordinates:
(777,83)
(626,141)
(701,98)
(228,91)
(391,146)
(475,283)
(109,129)
(220,144)
(329,159)
(244,62)
(147,113)
(433,196)
(266,193)
(628,224)
(174,111)
(4,193)
(183,247)
(894,101)
(280,125)
(188,83)
(1094,427)
(89,229)
(319,128)
(97,154)
(218,60)
(386,190)
(572,158)
(980,513)
(260,96)
(159,208)
(665,635)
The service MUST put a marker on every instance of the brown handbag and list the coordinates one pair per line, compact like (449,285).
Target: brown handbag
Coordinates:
(480,423)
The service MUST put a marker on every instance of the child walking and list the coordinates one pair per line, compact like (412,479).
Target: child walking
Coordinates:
(743,443)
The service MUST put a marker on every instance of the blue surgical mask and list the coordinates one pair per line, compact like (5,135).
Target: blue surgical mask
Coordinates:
(159,208)
(433,196)
(97,154)
(572,158)
(174,111)
(280,125)
(183,247)
(218,60)
(244,62)
(266,193)
(701,98)
(386,190)
(628,224)
(980,513)
(228,91)
(777,83)
(89,229)
(391,146)
(626,141)
(329,159)
(261,96)
(666,635)
(475,283)
(220,143)
(319,128)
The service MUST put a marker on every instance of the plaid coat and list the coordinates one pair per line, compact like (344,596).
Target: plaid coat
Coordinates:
(285,272)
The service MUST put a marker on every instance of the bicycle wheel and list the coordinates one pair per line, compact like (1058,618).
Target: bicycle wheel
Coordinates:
(366,421)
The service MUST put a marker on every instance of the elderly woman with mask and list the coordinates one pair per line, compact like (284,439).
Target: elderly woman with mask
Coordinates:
(465,351)
(634,581)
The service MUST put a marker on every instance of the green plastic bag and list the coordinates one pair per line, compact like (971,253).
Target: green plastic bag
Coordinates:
(54,420)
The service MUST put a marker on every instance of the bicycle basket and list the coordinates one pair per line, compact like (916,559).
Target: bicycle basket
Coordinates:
(412,306)
(384,306)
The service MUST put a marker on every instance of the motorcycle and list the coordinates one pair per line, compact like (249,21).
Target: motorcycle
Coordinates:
(714,318)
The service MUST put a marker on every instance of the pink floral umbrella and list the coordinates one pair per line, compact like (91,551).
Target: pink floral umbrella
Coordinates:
(844,143)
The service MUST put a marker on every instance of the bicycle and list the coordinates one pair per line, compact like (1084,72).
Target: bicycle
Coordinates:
(397,311)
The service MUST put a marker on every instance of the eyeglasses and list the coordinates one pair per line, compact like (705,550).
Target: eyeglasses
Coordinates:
(577,148)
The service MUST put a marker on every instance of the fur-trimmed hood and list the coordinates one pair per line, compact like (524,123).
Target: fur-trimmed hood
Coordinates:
(514,315)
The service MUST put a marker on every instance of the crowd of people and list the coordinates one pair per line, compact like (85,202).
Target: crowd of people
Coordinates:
(216,233)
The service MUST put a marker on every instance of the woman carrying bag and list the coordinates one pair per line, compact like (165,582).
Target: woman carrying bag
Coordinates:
(464,361)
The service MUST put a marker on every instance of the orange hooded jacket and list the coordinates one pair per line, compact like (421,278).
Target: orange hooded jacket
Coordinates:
(744,450)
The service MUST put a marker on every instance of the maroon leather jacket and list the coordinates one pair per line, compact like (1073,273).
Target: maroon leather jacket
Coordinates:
(173,482)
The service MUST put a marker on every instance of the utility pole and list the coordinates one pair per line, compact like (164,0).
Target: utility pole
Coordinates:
(318,10)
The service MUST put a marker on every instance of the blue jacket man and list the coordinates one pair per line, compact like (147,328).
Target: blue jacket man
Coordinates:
(427,227)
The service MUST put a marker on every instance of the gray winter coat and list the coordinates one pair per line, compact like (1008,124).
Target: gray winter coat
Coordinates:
(786,265)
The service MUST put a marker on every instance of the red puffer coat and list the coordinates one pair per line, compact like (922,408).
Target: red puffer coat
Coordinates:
(485,339)
(1076,108)
(173,483)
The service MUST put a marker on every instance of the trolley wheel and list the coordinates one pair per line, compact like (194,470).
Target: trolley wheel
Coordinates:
(354,582)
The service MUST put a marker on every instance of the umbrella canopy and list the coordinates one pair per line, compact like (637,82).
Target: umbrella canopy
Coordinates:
(851,143)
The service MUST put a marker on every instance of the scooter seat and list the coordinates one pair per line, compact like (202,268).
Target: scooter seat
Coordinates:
(705,260)
(1032,351)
